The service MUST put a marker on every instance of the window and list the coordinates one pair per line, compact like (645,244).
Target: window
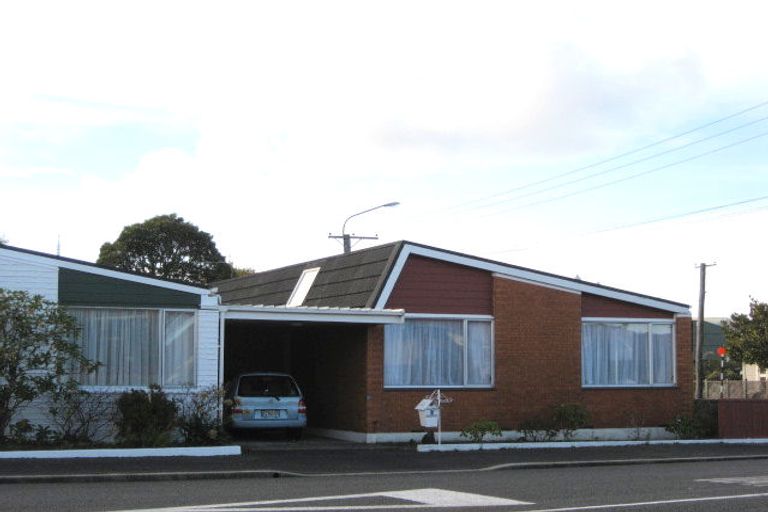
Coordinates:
(302,287)
(627,353)
(138,347)
(445,352)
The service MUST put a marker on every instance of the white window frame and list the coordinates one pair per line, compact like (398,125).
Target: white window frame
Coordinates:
(650,323)
(465,327)
(161,355)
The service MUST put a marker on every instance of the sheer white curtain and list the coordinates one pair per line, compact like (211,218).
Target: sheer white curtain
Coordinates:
(128,344)
(479,348)
(424,353)
(620,354)
(431,352)
(663,354)
(124,341)
(179,349)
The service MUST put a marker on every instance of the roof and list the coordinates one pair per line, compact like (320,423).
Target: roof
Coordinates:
(104,270)
(365,278)
(349,280)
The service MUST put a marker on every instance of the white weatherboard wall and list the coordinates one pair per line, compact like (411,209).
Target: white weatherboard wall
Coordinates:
(34,278)
(208,348)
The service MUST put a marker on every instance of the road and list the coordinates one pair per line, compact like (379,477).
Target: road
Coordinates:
(700,486)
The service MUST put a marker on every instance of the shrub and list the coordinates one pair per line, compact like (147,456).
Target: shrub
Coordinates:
(198,417)
(563,419)
(683,427)
(80,417)
(145,419)
(567,418)
(539,428)
(477,431)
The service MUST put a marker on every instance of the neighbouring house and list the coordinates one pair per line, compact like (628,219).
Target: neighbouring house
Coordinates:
(506,343)
(368,334)
(143,330)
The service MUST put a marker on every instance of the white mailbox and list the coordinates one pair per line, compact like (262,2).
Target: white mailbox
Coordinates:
(429,413)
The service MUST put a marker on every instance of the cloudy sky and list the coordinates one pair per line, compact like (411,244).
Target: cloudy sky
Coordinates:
(623,142)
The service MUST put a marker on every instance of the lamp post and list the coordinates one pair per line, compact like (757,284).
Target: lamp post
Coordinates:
(347,238)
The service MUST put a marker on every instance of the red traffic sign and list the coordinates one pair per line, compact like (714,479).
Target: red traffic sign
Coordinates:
(721,351)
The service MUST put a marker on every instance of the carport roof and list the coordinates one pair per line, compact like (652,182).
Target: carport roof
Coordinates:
(313,314)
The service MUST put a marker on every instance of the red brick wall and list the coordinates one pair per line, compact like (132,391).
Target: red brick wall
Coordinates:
(538,365)
(594,306)
(431,286)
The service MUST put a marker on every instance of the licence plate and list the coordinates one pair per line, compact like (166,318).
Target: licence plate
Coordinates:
(270,413)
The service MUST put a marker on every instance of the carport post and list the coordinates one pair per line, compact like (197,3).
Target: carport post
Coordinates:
(222,320)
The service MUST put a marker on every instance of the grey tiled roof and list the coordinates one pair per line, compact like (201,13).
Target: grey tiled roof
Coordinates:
(347,280)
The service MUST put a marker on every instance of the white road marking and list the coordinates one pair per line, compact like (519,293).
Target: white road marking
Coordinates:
(653,503)
(754,481)
(415,499)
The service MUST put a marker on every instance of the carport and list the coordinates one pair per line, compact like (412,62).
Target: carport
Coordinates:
(328,350)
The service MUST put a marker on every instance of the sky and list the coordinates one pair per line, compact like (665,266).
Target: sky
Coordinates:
(621,142)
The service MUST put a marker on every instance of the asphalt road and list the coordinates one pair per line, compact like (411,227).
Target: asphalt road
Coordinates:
(701,486)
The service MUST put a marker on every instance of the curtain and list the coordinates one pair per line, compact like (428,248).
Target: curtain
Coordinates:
(125,342)
(663,354)
(479,354)
(128,342)
(179,349)
(431,353)
(619,354)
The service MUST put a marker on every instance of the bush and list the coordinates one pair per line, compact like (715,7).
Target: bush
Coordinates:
(683,427)
(477,431)
(80,417)
(564,419)
(567,418)
(198,417)
(145,419)
(702,424)
(539,428)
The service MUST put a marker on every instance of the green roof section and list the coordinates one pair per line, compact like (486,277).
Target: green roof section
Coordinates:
(84,289)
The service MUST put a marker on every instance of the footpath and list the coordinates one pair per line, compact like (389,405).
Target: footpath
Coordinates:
(335,459)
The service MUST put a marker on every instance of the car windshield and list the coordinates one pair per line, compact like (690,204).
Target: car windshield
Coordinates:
(267,385)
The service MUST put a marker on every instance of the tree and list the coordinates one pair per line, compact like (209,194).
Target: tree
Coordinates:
(746,336)
(169,247)
(37,351)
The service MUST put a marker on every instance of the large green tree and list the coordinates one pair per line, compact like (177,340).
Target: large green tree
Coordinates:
(746,336)
(167,246)
(37,351)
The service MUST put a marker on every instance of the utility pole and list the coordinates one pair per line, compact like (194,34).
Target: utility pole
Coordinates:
(700,326)
(347,238)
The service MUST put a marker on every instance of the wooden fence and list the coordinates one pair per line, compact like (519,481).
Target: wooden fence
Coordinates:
(739,389)
(742,418)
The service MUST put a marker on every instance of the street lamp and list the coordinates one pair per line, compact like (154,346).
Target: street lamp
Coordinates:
(347,239)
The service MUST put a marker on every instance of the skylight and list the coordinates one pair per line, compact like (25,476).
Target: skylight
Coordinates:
(302,287)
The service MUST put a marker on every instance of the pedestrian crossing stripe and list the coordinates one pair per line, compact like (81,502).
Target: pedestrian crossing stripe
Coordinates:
(408,499)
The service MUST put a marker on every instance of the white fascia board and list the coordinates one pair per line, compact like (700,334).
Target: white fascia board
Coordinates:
(301,314)
(115,274)
(521,274)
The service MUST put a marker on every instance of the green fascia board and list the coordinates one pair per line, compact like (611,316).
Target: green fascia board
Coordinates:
(85,289)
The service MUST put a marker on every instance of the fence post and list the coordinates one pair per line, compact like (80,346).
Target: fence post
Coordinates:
(744,388)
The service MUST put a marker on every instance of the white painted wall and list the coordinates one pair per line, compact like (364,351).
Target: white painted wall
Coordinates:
(34,278)
(207,348)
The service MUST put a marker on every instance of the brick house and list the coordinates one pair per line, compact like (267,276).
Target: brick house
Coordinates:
(370,333)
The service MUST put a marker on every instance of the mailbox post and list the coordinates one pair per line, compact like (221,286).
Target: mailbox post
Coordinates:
(429,411)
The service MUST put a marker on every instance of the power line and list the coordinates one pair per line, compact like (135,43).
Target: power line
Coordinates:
(680,215)
(632,176)
(623,166)
(617,157)
(658,219)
